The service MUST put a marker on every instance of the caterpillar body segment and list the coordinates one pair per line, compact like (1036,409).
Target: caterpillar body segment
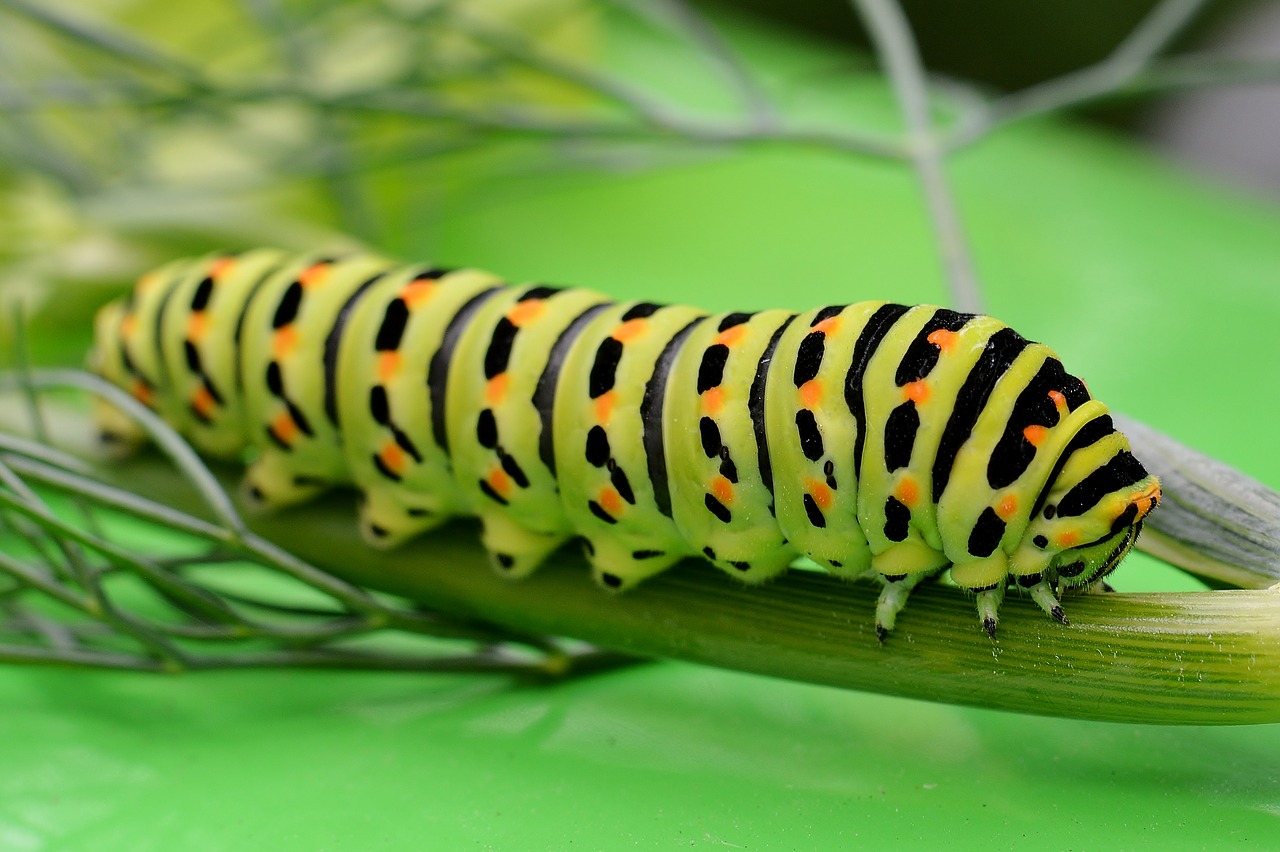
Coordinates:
(714,431)
(609,441)
(878,440)
(390,407)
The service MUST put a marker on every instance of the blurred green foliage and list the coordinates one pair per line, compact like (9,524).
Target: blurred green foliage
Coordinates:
(137,131)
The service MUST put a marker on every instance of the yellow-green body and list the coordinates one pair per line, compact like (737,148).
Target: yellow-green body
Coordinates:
(875,439)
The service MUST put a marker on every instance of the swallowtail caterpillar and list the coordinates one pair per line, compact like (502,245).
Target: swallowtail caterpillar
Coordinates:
(879,440)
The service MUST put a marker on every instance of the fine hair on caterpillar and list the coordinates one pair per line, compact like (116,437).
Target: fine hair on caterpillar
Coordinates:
(881,441)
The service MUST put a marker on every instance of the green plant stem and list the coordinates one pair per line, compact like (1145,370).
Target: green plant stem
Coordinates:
(1195,658)
(1200,658)
(77,659)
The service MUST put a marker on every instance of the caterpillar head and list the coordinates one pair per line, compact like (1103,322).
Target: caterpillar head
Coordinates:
(1090,516)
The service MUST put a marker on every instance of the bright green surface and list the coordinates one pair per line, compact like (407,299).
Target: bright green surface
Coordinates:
(661,757)
(1161,294)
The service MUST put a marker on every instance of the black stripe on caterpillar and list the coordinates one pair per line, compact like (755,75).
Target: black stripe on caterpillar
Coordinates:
(878,440)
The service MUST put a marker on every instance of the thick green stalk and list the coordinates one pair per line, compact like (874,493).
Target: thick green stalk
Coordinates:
(1191,658)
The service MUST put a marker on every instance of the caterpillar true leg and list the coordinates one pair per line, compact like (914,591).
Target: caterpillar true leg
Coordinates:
(988,609)
(1043,594)
(893,597)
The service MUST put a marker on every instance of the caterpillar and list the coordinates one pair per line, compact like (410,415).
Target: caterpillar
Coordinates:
(878,440)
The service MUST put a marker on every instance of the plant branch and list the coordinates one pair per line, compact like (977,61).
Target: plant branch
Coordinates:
(1125,64)
(900,59)
(683,17)
(110,42)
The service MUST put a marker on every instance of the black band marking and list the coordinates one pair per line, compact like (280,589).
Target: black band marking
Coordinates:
(641,310)
(710,434)
(491,494)
(651,415)
(295,413)
(900,435)
(1092,432)
(728,469)
(1034,407)
(826,314)
(618,478)
(810,435)
(815,514)
(1122,471)
(755,405)
(487,429)
(512,467)
(711,369)
(897,516)
(438,369)
(333,343)
(922,356)
(598,451)
(192,356)
(720,510)
(237,350)
(1001,350)
(275,379)
(539,292)
(204,292)
(878,325)
(287,308)
(212,390)
(498,353)
(405,442)
(383,469)
(391,330)
(986,534)
(599,512)
(604,367)
(544,393)
(809,357)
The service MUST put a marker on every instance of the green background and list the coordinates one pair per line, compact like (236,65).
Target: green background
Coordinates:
(1161,292)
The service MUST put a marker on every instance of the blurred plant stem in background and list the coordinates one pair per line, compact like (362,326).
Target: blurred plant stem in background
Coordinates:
(136,131)
(133,132)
